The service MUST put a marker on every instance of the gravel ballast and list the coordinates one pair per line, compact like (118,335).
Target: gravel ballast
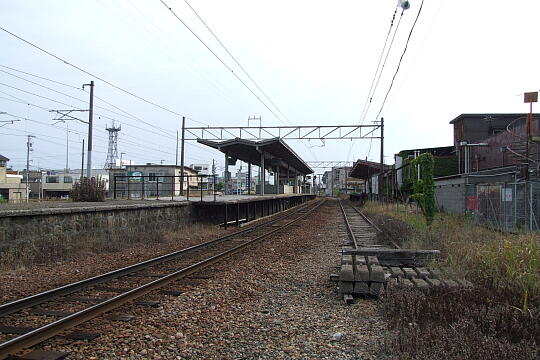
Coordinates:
(274,300)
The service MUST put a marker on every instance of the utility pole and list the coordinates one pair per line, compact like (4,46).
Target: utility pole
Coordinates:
(176,163)
(213,176)
(90,123)
(182,157)
(28,149)
(82,160)
(67,147)
(381,185)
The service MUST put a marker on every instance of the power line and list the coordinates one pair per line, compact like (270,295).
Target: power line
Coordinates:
(400,59)
(379,63)
(243,70)
(130,116)
(91,74)
(221,60)
(382,68)
(235,59)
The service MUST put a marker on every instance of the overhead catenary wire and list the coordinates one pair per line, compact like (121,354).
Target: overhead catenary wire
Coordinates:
(288,121)
(92,74)
(221,60)
(379,63)
(235,60)
(400,59)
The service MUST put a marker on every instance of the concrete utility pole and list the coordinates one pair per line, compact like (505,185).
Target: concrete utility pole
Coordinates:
(82,160)
(67,147)
(28,149)
(182,157)
(381,185)
(176,162)
(90,123)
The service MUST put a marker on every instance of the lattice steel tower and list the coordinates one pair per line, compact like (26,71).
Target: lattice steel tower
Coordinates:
(112,153)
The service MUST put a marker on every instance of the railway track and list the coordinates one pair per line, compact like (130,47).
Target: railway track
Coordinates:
(26,322)
(367,265)
(362,231)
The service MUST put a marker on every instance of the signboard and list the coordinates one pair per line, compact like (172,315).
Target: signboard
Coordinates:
(135,176)
(530,97)
(507,194)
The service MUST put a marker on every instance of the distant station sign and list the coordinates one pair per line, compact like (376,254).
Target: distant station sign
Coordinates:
(530,97)
(135,176)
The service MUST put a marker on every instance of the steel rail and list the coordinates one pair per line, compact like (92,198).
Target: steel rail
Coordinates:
(19,304)
(349,229)
(45,332)
(370,222)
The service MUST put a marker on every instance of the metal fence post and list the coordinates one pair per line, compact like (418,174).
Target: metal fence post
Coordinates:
(173,186)
(214,187)
(142,190)
(188,177)
(114,188)
(225,216)
(157,187)
(200,184)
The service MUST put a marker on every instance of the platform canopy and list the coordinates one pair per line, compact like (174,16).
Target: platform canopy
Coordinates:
(363,169)
(276,154)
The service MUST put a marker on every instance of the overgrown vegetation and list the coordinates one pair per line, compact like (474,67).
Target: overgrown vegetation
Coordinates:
(499,318)
(459,324)
(88,189)
(424,188)
(51,248)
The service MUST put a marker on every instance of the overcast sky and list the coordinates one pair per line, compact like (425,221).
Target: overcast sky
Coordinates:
(314,59)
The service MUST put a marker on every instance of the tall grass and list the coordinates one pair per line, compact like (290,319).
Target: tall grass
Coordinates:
(506,263)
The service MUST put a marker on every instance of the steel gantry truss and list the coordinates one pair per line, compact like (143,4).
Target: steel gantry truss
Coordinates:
(329,164)
(306,132)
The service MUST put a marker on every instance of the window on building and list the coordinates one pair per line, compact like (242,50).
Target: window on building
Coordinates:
(68,179)
(52,180)
(152,176)
(198,168)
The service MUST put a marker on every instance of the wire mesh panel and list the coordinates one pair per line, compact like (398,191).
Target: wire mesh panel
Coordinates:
(490,204)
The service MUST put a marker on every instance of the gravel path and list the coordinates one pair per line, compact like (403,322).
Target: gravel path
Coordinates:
(275,301)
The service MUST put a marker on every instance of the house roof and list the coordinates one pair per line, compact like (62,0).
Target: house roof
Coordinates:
(3,158)
(492,115)
(278,152)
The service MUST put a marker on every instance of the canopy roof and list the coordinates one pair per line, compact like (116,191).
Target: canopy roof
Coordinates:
(276,153)
(363,169)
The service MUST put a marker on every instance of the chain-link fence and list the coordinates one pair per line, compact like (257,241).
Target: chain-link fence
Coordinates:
(505,206)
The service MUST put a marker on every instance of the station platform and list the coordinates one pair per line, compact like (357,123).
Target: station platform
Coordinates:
(237,209)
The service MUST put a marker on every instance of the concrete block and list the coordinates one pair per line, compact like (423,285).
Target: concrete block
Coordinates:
(346,287)
(361,273)
(450,283)
(346,273)
(376,274)
(435,273)
(361,288)
(409,273)
(375,288)
(434,282)
(359,259)
(347,259)
(422,272)
(421,283)
(405,282)
(373,260)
